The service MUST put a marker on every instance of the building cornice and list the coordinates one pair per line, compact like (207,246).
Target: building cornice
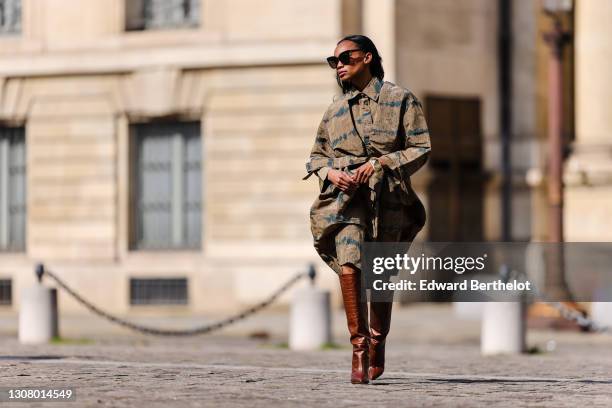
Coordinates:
(100,62)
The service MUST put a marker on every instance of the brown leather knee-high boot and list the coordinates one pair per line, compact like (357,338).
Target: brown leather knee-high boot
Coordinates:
(356,318)
(380,323)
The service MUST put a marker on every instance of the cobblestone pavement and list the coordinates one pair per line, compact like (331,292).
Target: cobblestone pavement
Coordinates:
(430,362)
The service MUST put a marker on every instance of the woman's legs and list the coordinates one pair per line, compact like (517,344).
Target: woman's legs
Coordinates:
(380,323)
(356,318)
(380,310)
(349,240)
(393,221)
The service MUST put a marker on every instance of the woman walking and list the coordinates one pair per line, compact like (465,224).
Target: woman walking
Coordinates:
(368,143)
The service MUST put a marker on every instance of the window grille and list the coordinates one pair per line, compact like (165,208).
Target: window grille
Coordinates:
(168,186)
(159,291)
(6,292)
(160,14)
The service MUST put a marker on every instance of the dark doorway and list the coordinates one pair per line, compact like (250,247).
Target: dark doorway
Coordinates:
(456,192)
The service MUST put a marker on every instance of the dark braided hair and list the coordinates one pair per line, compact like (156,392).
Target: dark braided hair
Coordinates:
(365,45)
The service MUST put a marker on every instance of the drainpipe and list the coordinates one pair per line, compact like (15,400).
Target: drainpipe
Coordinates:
(504,62)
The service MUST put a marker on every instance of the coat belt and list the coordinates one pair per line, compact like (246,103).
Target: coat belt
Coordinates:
(336,163)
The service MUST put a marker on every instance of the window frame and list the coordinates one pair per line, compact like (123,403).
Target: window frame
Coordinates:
(16,27)
(136,19)
(178,212)
(7,244)
(168,285)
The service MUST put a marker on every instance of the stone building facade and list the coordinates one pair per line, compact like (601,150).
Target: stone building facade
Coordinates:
(151,152)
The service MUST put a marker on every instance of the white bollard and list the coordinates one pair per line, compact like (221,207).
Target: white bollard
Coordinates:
(503,328)
(310,325)
(38,319)
(468,310)
(601,312)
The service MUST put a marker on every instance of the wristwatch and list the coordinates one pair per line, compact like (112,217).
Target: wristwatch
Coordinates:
(375,164)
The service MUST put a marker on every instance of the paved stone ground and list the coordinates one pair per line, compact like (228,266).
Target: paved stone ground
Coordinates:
(433,360)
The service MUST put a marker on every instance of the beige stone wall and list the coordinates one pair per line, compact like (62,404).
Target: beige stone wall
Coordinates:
(449,48)
(53,25)
(257,129)
(253,74)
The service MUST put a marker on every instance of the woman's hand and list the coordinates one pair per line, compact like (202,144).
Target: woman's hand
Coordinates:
(363,173)
(344,181)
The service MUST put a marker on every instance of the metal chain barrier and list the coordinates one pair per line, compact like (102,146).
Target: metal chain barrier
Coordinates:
(204,329)
(565,311)
(575,316)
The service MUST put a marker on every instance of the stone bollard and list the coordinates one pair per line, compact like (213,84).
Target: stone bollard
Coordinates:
(468,310)
(310,319)
(38,318)
(601,312)
(503,328)
(504,324)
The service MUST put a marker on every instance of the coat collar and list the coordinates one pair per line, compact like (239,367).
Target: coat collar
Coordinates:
(371,90)
(387,118)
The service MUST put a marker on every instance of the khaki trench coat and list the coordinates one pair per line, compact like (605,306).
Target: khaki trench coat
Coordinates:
(399,133)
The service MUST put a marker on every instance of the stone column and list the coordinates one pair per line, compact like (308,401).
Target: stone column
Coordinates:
(379,25)
(588,172)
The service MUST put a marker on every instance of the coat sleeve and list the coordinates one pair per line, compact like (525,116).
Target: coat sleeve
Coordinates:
(417,144)
(321,154)
(322,172)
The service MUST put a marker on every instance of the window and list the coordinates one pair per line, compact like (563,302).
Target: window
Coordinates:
(12,189)
(6,292)
(167,182)
(10,16)
(158,14)
(165,291)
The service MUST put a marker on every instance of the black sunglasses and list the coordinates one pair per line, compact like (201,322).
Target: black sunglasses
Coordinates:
(344,58)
